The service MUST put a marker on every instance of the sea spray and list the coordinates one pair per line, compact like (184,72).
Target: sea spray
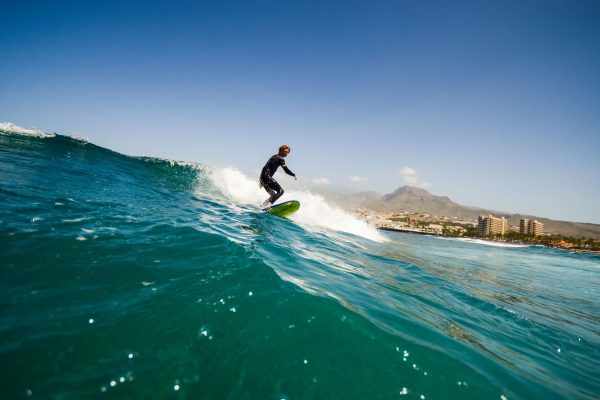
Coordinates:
(10,128)
(314,212)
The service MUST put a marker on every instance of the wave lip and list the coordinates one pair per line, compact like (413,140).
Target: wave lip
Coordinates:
(9,127)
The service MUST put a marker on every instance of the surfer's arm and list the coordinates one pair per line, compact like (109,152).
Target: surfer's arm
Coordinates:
(286,169)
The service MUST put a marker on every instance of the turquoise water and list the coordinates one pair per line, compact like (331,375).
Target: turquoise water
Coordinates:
(127,277)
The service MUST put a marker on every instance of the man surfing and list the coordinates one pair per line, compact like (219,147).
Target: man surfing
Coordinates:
(266,176)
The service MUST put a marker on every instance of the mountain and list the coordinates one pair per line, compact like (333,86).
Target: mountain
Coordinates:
(346,197)
(413,199)
(417,200)
(360,199)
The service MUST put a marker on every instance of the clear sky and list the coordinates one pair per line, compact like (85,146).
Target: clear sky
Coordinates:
(493,103)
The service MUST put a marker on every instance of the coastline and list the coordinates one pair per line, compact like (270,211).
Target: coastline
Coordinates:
(493,240)
(415,231)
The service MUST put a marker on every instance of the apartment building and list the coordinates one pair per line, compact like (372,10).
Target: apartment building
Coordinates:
(490,225)
(531,227)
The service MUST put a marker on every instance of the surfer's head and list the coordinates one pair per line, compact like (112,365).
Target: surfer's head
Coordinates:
(284,150)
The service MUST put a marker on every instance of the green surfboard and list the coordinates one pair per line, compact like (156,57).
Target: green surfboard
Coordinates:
(284,209)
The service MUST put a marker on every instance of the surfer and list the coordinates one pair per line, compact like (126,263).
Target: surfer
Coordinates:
(266,176)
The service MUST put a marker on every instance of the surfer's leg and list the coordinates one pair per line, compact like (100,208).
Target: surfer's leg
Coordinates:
(273,188)
(268,200)
(277,189)
(265,183)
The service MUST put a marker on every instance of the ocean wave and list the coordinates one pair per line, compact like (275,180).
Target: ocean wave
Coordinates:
(314,211)
(167,272)
(173,163)
(9,127)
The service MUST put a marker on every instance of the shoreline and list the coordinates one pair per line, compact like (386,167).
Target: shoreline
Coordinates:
(519,242)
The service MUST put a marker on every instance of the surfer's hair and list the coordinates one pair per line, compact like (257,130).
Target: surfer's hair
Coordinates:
(283,147)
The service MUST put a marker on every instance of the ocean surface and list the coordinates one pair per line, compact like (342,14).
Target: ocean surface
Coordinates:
(142,278)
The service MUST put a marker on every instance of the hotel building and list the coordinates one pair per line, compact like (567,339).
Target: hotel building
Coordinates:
(531,227)
(490,225)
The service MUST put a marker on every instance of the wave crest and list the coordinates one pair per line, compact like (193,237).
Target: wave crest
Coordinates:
(315,212)
(9,127)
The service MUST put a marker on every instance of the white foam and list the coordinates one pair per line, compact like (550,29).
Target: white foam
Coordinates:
(77,219)
(13,128)
(314,210)
(489,243)
(237,186)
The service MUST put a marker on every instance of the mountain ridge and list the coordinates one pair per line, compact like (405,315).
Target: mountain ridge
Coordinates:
(419,200)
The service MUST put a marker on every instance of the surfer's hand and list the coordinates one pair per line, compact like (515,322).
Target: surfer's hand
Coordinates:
(295,177)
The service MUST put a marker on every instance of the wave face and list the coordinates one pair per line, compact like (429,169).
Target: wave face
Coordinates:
(138,277)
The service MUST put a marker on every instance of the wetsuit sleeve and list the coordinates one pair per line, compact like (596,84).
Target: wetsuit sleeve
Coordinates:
(286,169)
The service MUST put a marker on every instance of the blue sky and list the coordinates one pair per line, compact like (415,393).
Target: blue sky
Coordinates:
(492,103)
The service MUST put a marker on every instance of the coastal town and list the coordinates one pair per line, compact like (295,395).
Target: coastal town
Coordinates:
(487,227)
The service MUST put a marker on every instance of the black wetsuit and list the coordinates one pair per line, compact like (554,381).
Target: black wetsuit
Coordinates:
(266,177)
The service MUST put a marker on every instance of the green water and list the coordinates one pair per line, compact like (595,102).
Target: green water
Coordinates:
(128,277)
